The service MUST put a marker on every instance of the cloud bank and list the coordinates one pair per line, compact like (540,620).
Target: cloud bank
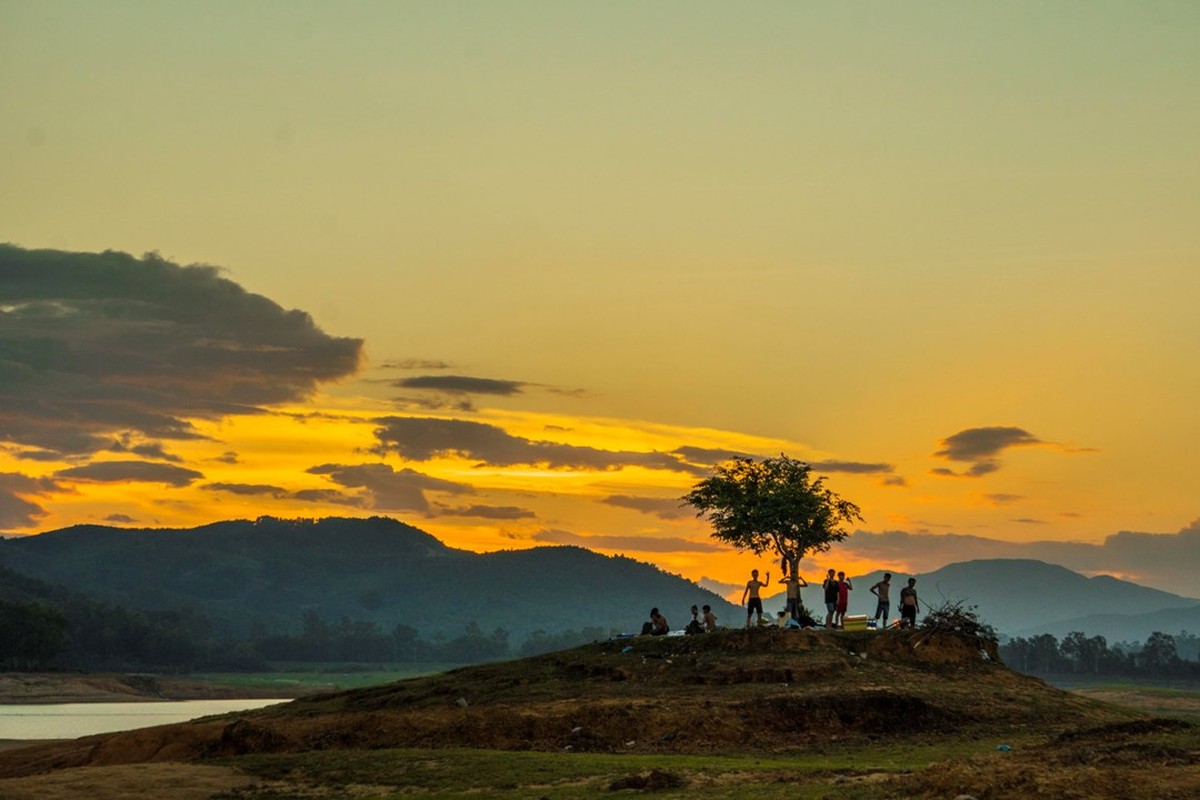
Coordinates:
(425,438)
(96,346)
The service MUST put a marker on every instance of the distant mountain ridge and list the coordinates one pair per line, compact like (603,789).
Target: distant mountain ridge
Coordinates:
(1025,597)
(269,572)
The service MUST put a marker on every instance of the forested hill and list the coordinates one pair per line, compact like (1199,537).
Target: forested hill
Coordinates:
(269,573)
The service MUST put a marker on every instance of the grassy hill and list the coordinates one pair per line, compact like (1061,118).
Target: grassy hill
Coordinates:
(763,713)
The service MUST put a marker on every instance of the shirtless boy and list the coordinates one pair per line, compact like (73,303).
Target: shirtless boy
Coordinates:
(880,590)
(751,590)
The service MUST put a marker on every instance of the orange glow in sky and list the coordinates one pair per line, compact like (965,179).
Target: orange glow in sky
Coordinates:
(520,276)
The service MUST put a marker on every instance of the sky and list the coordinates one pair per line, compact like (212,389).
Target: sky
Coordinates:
(522,273)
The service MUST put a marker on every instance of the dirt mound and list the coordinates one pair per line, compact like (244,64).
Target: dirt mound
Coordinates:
(759,690)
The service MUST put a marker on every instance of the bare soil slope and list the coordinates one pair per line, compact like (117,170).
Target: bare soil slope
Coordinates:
(757,690)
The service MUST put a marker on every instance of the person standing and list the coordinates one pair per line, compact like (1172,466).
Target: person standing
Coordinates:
(830,585)
(883,606)
(910,604)
(752,591)
(793,584)
(843,602)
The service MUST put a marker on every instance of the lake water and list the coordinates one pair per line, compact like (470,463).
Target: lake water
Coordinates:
(71,720)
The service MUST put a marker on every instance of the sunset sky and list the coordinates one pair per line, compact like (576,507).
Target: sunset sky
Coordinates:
(521,273)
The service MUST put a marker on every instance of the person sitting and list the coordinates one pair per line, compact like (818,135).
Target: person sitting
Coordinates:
(787,622)
(658,623)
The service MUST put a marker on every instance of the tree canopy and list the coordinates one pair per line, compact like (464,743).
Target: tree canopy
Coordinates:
(772,505)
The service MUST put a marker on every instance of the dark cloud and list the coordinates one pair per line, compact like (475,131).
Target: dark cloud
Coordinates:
(1163,560)
(431,403)
(644,544)
(488,512)
(661,507)
(246,489)
(417,363)
(228,457)
(982,446)
(17,508)
(122,471)
(894,480)
(329,496)
(97,344)
(1000,498)
(707,456)
(461,384)
(852,467)
(424,438)
(389,489)
(120,519)
(145,450)
(711,457)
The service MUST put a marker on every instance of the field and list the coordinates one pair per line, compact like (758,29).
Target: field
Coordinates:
(761,714)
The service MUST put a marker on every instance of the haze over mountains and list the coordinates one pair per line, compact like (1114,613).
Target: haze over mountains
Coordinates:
(270,572)
(1024,597)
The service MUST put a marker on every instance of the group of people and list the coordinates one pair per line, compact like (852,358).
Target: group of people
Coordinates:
(837,588)
(658,625)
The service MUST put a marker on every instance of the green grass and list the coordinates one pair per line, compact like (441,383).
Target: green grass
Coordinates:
(533,775)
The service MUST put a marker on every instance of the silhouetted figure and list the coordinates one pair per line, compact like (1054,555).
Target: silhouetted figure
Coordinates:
(755,604)
(909,605)
(883,606)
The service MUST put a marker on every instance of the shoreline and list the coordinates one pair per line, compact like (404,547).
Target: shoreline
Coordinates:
(53,688)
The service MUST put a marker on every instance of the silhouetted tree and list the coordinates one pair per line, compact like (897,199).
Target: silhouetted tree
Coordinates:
(772,505)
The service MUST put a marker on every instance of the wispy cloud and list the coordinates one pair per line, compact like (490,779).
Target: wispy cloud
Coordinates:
(661,507)
(487,512)
(643,544)
(461,384)
(425,438)
(389,489)
(247,489)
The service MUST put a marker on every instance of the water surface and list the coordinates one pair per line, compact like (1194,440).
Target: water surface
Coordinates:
(70,720)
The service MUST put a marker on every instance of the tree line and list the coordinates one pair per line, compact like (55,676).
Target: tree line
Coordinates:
(1160,656)
(87,635)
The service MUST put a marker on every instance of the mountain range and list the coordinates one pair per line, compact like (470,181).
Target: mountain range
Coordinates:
(268,573)
(1025,597)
